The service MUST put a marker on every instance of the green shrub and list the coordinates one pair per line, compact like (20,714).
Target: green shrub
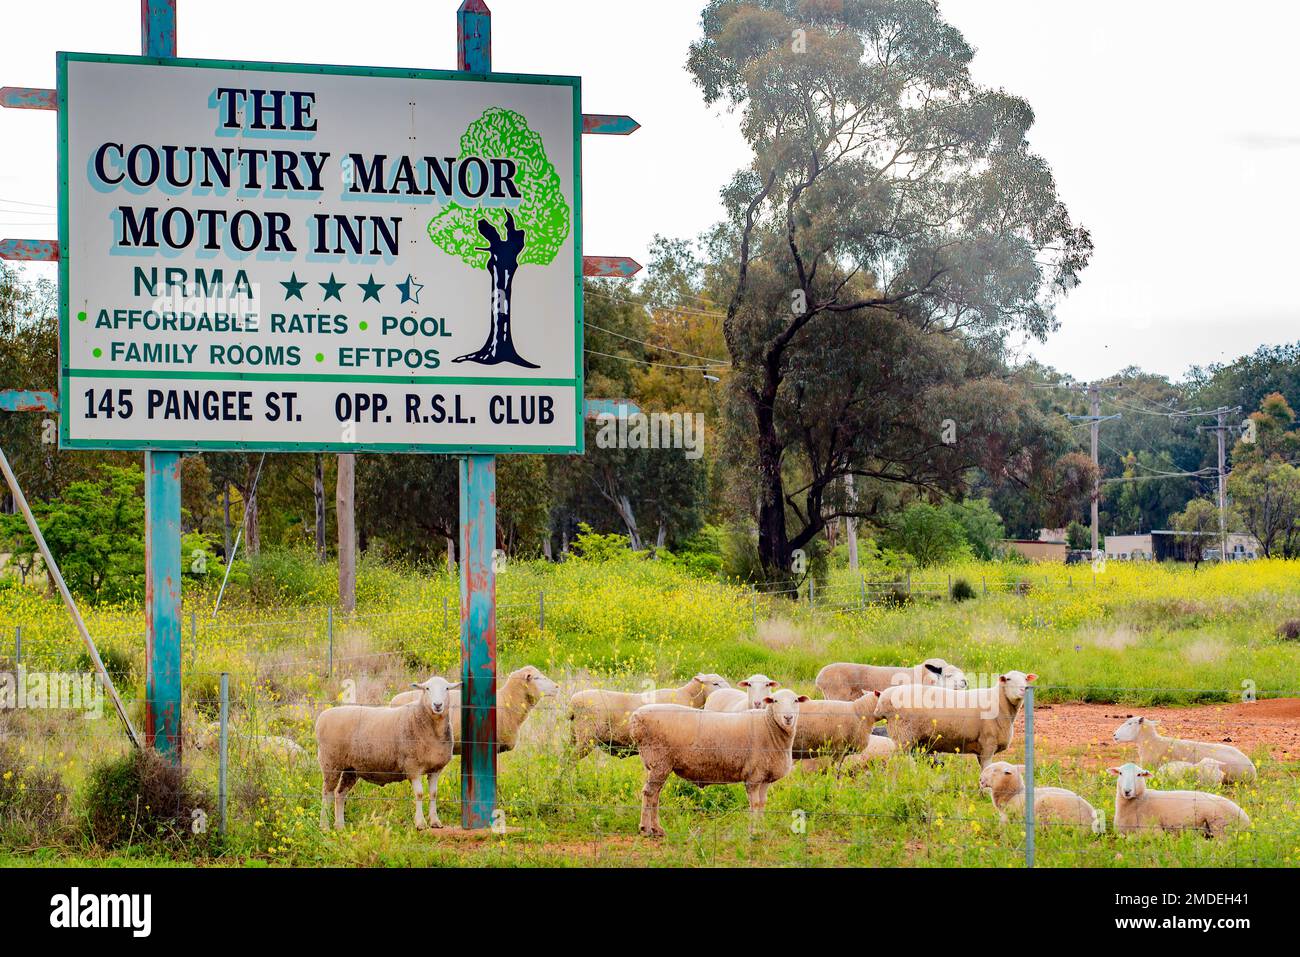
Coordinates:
(33,798)
(118,663)
(141,796)
(592,546)
(962,590)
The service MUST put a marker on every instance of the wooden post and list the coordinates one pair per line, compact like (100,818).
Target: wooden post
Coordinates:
(344,497)
(478,533)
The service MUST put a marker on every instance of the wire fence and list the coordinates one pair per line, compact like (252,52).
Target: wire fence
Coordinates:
(249,740)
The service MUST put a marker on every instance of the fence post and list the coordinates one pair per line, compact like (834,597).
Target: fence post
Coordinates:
(753,603)
(909,584)
(194,636)
(811,596)
(862,592)
(985,582)
(224,749)
(329,624)
(541,610)
(444,612)
(1029,775)
(18,646)
(950,586)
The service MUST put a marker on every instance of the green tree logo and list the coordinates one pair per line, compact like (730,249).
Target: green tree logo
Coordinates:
(532,233)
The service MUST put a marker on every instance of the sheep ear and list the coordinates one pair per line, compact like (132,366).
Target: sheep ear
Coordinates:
(802,698)
(1144,773)
(1115,771)
(774,684)
(1002,678)
(453,687)
(769,700)
(744,684)
(1031,677)
(414,685)
(934,669)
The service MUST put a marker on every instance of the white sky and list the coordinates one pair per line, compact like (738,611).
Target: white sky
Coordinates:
(1171,125)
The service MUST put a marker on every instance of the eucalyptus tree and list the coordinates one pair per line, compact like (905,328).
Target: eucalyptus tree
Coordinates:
(892,229)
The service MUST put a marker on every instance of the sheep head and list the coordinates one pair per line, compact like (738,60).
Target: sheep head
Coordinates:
(434,693)
(1132,780)
(1131,729)
(783,707)
(757,687)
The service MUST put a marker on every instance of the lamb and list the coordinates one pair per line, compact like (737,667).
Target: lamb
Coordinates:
(383,745)
(835,728)
(845,681)
(1206,771)
(1140,809)
(714,747)
(599,718)
(757,687)
(1154,749)
(516,699)
(980,721)
(1005,784)
(208,736)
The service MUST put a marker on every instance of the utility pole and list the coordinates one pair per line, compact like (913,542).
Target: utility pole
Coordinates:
(1095,418)
(1221,429)
(852,525)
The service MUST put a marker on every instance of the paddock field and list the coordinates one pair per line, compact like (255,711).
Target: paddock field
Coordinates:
(1191,647)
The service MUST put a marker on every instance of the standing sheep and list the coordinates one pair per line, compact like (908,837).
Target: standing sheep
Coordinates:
(522,690)
(756,688)
(1153,749)
(383,745)
(980,721)
(1005,784)
(714,747)
(1140,809)
(836,728)
(599,718)
(845,681)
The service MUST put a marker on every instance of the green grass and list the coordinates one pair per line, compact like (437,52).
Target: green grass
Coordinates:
(1141,635)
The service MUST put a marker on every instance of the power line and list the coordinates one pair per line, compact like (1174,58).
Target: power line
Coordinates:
(19,202)
(670,309)
(647,362)
(651,345)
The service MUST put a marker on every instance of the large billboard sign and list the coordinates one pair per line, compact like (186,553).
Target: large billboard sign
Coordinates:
(287,257)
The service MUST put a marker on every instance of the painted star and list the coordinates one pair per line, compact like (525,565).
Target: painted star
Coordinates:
(410,289)
(292,287)
(332,288)
(370,290)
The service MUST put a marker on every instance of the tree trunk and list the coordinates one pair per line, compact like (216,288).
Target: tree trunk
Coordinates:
(503,262)
(252,536)
(225,516)
(318,491)
(451,555)
(343,502)
(773,548)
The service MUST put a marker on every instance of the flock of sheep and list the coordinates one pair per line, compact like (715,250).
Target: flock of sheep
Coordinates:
(708,732)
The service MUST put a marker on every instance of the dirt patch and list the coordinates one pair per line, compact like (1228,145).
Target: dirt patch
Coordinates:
(1087,729)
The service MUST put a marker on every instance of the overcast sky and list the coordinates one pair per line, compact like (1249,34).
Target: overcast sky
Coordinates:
(1171,124)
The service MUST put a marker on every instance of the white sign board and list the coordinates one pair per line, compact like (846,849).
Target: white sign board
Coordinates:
(297,258)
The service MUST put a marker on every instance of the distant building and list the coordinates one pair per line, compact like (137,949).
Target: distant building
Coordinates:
(1169,545)
(1129,547)
(1036,550)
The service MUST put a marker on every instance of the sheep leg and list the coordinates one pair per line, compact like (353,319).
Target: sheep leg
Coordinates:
(339,793)
(757,794)
(654,782)
(417,785)
(324,806)
(434,820)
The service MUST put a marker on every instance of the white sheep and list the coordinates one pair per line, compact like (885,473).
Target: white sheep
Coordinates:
(516,698)
(1138,808)
(1206,771)
(383,745)
(979,721)
(1154,749)
(756,688)
(599,718)
(207,737)
(714,747)
(836,728)
(844,680)
(1005,784)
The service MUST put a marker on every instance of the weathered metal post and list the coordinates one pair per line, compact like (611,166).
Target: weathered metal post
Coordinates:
(1029,776)
(329,628)
(478,532)
(18,645)
(223,750)
(162,503)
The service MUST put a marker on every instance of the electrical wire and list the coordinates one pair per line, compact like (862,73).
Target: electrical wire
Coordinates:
(651,345)
(647,362)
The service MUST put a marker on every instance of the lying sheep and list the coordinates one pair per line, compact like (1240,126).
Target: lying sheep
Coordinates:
(516,699)
(845,681)
(1154,749)
(835,728)
(979,721)
(714,747)
(383,745)
(207,737)
(1005,784)
(599,718)
(1140,809)
(879,748)
(1206,771)
(756,688)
